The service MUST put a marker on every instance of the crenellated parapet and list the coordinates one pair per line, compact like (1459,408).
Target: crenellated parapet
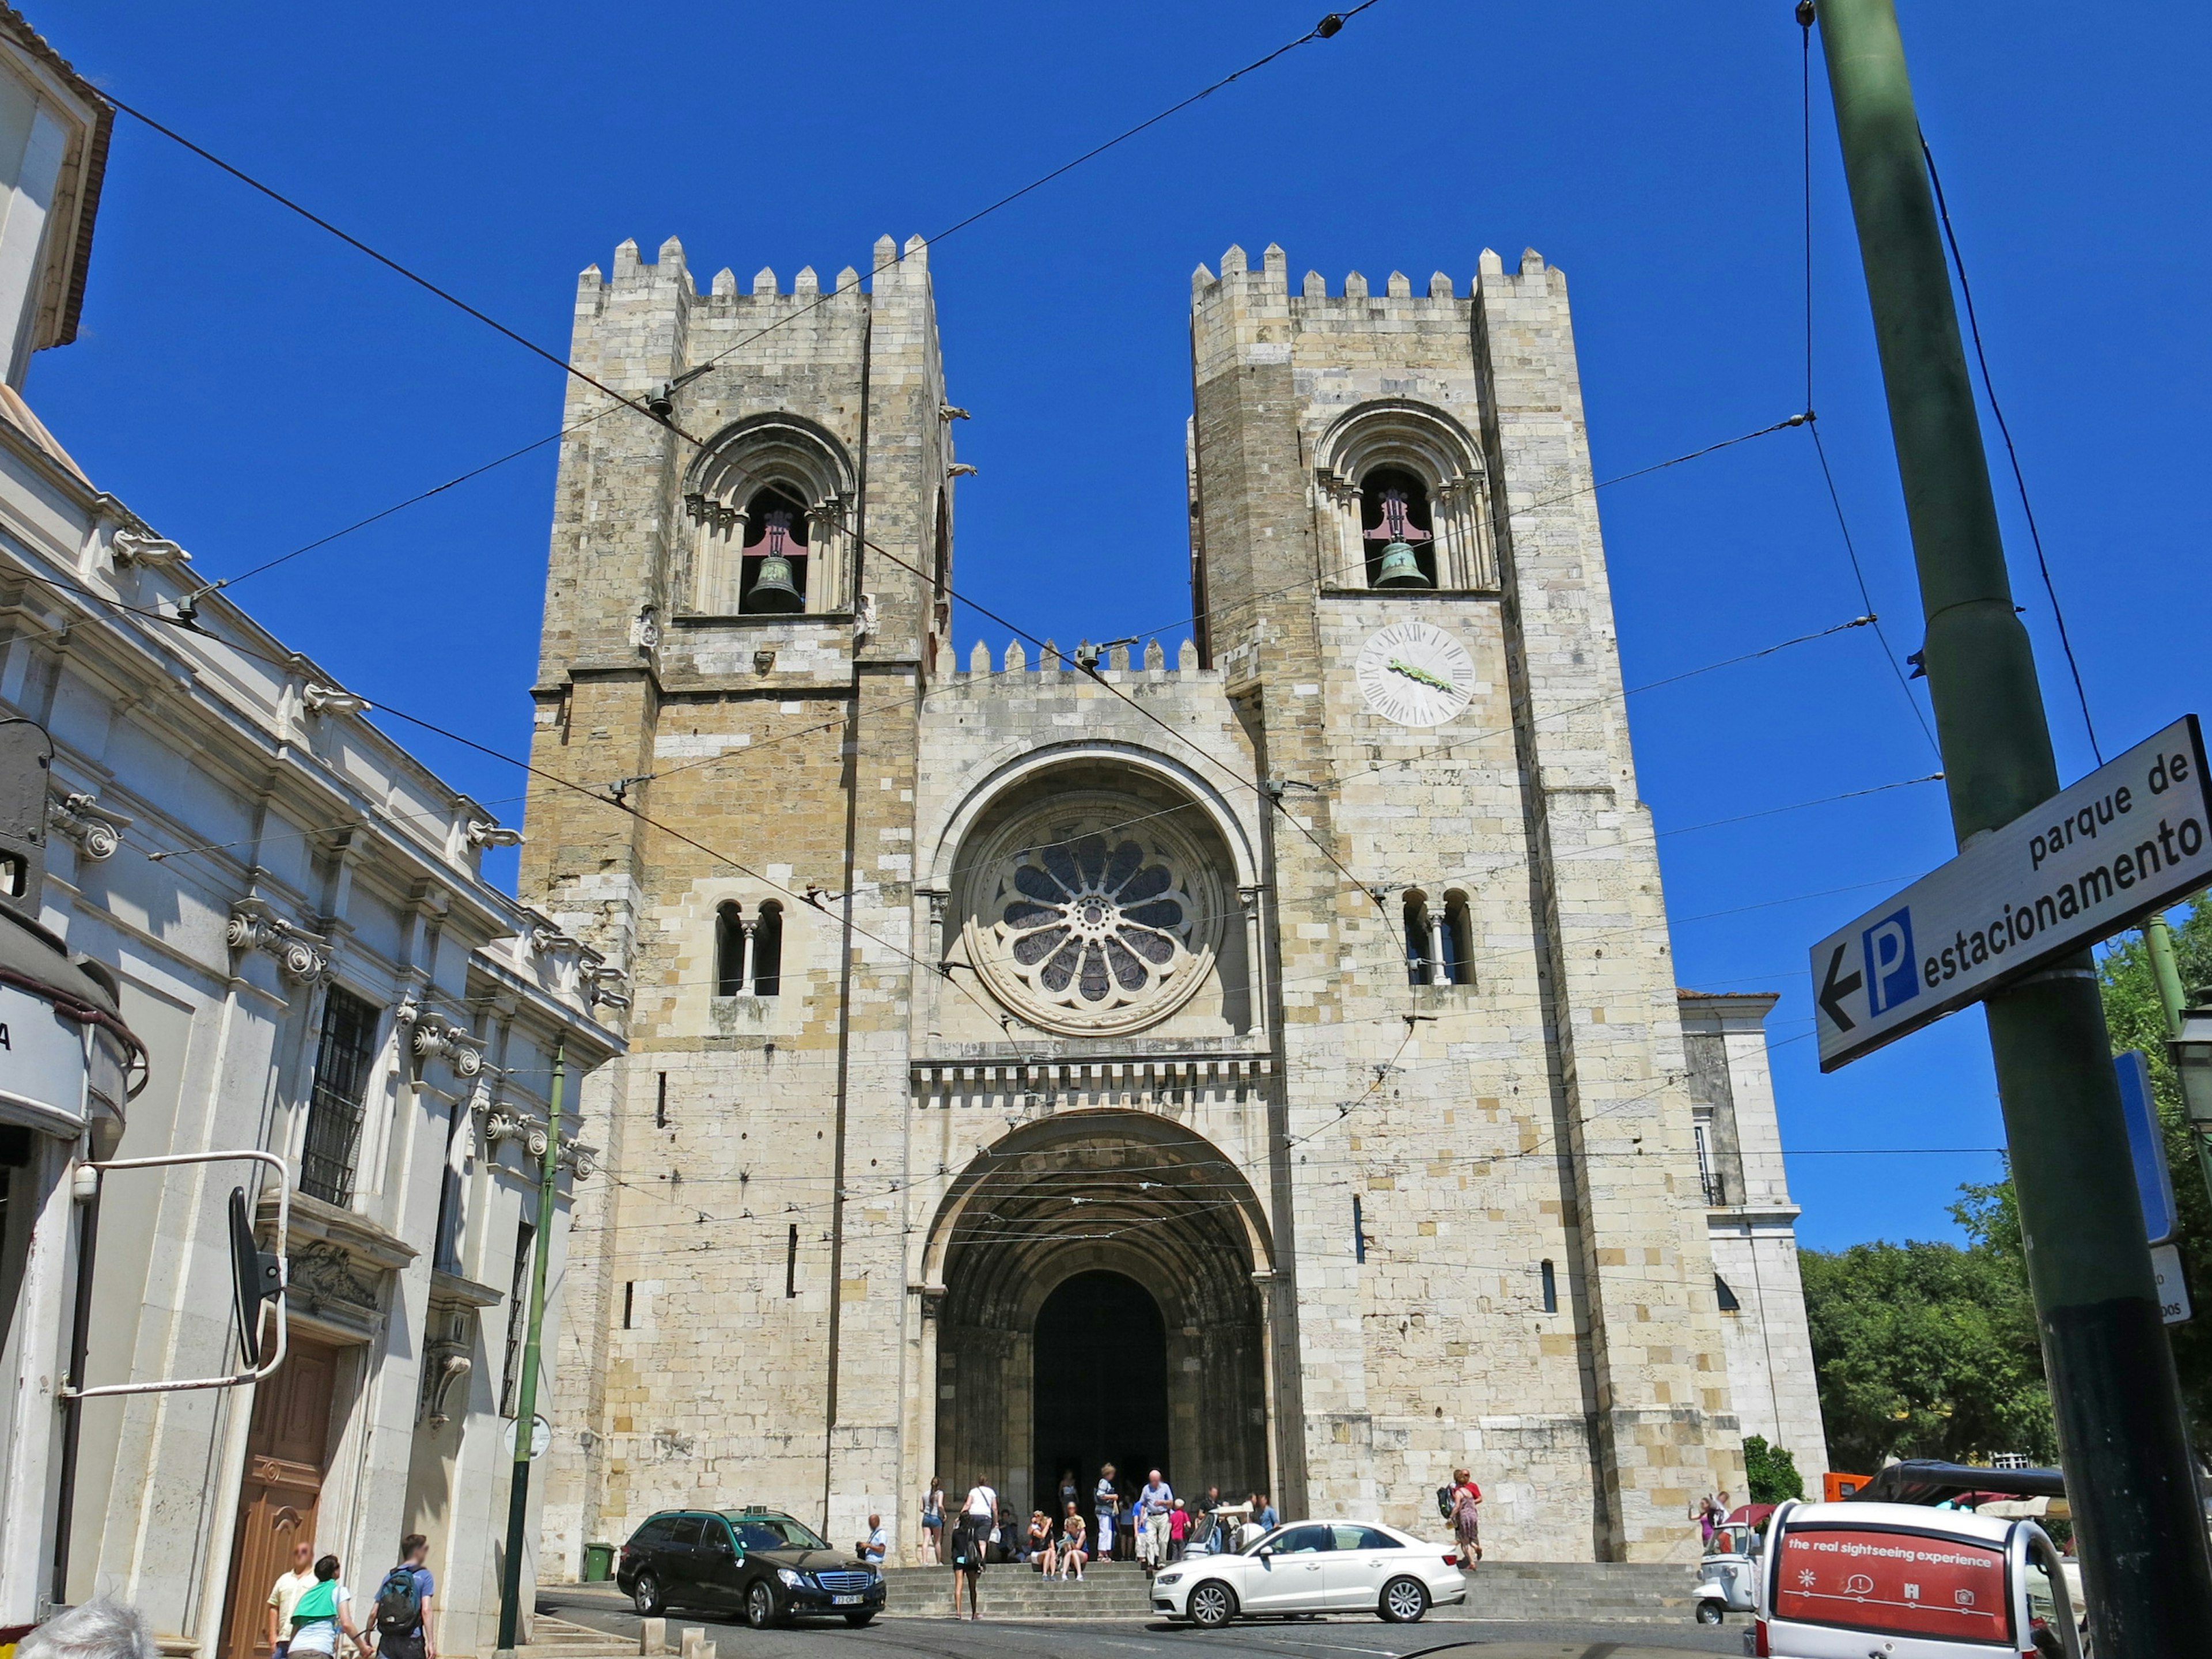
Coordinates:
(1111,663)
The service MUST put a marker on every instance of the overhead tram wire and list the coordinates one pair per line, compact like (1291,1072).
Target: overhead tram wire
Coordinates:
(2012,454)
(1326,28)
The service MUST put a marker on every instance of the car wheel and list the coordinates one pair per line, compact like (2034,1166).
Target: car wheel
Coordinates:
(860,1621)
(760,1605)
(646,1596)
(1709,1612)
(1212,1605)
(1404,1601)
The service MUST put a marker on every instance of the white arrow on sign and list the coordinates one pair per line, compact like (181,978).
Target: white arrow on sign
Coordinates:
(2132,837)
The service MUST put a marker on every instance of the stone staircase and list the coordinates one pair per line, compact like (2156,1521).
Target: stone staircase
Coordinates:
(558,1638)
(1629,1592)
(1111,1589)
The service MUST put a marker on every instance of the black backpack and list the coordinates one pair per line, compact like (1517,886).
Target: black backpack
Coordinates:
(398,1603)
(1444,1502)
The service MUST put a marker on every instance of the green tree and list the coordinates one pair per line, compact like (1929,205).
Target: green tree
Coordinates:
(1925,1350)
(1770,1472)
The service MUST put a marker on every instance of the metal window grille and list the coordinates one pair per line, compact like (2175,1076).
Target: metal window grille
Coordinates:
(1715,1196)
(337,1101)
(518,1318)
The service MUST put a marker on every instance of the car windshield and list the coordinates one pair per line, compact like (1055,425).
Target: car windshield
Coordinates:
(773,1532)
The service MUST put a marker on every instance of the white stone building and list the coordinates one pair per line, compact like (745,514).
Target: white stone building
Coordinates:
(294,911)
(1256,1056)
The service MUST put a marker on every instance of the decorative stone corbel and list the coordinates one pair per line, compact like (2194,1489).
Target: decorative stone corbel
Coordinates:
(449,1364)
(645,631)
(864,617)
(155,552)
(579,1159)
(96,832)
(436,1037)
(486,834)
(332,700)
(598,981)
(304,957)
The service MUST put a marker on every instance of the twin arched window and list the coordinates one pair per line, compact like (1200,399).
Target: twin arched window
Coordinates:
(771,499)
(1404,491)
(748,950)
(1439,939)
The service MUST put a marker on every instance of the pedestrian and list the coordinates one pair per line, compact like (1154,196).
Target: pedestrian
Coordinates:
(1071,1542)
(1154,1505)
(1205,1534)
(1106,1503)
(100,1629)
(932,1523)
(878,1544)
(288,1589)
(1069,1494)
(1712,1510)
(1040,1542)
(323,1614)
(1467,1517)
(971,1538)
(1264,1513)
(1178,1531)
(405,1619)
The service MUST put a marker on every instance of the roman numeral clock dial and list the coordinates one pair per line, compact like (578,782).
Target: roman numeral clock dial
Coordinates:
(1416,674)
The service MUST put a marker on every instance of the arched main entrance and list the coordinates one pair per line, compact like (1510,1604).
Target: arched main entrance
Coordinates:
(1099,1305)
(1099,1359)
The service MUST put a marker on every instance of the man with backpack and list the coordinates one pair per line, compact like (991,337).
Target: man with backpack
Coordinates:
(405,1627)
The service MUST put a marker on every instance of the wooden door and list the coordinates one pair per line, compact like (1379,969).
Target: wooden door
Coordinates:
(286,1447)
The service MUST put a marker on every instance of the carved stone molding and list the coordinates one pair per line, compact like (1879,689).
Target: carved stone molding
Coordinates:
(303,956)
(433,1036)
(323,1275)
(97,834)
(155,552)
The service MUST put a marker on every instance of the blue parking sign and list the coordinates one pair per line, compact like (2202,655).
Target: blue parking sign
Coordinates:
(2146,1144)
(1892,976)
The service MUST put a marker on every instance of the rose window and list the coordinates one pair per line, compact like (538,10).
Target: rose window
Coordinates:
(1085,921)
(1095,923)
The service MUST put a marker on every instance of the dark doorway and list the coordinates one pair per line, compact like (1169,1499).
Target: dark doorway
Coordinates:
(1101,1384)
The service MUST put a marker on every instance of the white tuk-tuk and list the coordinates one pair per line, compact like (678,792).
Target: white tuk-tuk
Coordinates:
(1840,1580)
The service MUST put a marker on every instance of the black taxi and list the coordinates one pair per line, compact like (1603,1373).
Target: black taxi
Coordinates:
(761,1564)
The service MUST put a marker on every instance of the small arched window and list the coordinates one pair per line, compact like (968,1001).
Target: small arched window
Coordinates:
(1727,1296)
(1417,937)
(1393,515)
(729,950)
(1458,936)
(767,950)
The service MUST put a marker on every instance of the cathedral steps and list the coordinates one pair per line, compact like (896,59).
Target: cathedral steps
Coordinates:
(1631,1591)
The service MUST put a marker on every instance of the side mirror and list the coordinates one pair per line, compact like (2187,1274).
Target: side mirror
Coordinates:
(255,1277)
(1264,1551)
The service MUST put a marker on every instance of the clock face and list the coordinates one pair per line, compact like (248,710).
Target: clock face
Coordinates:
(1416,674)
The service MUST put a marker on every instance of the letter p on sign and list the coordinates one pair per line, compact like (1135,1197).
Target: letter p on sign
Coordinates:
(1892,975)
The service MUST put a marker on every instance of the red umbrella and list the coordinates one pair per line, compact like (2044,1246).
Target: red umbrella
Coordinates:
(1753,1513)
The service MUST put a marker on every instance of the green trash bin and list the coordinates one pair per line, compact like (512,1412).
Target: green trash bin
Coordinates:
(599,1563)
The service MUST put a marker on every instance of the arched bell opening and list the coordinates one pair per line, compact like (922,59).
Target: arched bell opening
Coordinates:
(1083,1257)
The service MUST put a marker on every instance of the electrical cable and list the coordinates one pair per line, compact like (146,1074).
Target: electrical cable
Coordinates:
(1329,27)
(2012,454)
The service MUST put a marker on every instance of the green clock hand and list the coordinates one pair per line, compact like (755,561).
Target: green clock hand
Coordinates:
(1420,675)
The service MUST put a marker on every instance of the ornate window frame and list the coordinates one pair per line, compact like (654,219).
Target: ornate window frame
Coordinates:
(1419,439)
(744,459)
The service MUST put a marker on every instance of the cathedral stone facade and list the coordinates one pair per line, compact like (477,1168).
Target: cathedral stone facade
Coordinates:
(1255,1055)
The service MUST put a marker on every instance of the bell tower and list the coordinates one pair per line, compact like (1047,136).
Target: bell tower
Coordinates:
(1397,560)
(744,602)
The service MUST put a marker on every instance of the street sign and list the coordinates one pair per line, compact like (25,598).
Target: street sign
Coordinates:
(2146,1144)
(2173,1287)
(2132,837)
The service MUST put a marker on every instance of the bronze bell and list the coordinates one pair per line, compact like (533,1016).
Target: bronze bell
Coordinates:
(1398,569)
(772,592)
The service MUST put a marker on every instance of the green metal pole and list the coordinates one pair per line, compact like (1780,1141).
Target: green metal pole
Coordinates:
(2121,1433)
(2167,970)
(526,1400)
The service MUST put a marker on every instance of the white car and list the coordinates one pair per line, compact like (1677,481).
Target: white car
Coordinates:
(1313,1566)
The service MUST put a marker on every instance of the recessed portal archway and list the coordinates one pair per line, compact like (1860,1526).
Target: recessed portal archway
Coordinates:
(1100,1365)
(1073,1252)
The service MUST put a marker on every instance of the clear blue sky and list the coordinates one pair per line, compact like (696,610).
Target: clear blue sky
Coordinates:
(247,384)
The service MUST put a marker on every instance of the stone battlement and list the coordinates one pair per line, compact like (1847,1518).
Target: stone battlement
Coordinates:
(1273,278)
(1052,660)
(890,265)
